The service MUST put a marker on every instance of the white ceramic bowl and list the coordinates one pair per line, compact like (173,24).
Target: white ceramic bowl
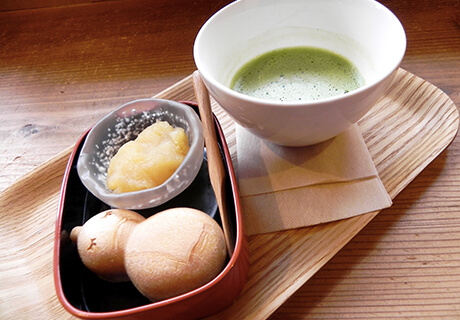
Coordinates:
(123,125)
(363,31)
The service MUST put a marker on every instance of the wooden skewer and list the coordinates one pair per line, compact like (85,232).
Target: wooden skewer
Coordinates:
(215,164)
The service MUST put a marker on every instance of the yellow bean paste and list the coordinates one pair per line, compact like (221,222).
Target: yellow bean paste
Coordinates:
(149,160)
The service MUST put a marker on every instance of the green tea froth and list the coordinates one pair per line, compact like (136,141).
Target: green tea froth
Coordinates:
(297,74)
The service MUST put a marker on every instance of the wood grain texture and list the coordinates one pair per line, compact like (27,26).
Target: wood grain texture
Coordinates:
(398,131)
(62,68)
(400,149)
(405,263)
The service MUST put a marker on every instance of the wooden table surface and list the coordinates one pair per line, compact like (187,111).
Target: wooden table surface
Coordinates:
(65,64)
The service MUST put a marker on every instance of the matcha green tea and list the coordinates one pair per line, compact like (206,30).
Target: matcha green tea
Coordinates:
(297,74)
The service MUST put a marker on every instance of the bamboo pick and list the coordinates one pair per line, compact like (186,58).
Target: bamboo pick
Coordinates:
(215,164)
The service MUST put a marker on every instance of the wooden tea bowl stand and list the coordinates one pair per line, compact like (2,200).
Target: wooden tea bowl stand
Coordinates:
(65,64)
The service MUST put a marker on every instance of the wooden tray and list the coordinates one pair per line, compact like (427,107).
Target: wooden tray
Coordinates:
(404,132)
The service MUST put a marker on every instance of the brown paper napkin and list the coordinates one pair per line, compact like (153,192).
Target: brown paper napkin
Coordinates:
(284,188)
